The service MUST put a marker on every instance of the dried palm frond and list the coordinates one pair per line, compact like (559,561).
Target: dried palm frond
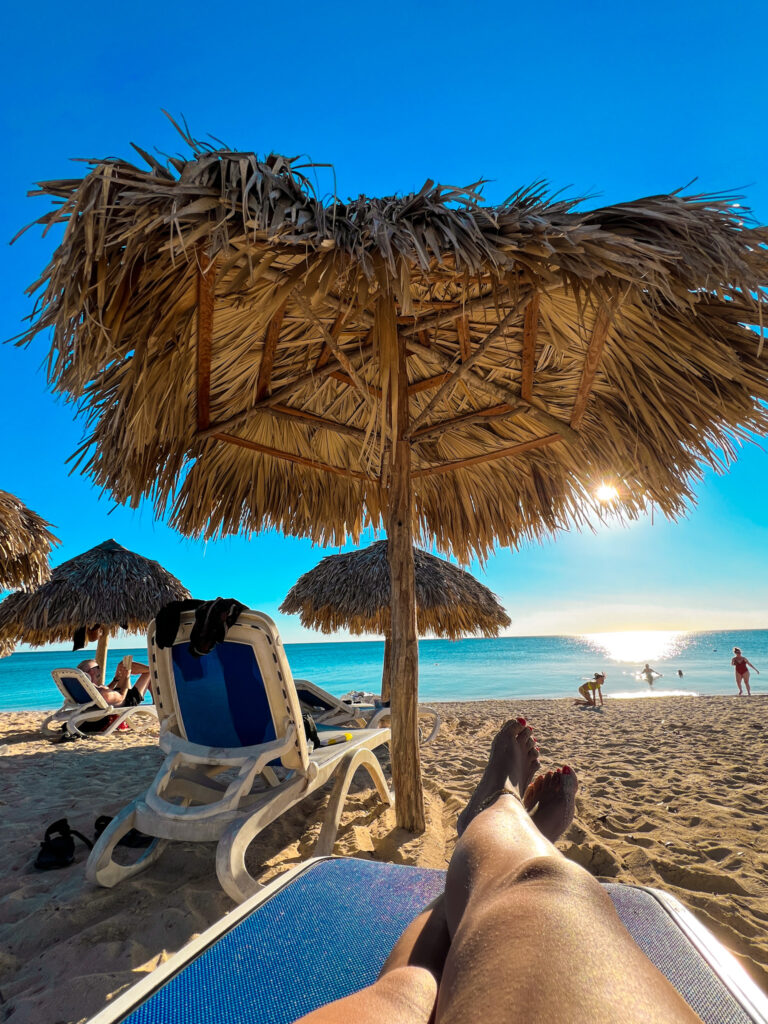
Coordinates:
(108,585)
(216,322)
(25,545)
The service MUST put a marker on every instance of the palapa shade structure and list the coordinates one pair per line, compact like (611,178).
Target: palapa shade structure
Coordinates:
(352,591)
(25,545)
(250,356)
(109,585)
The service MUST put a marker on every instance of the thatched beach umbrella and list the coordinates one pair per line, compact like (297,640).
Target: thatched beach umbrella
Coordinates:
(249,356)
(352,591)
(25,545)
(108,585)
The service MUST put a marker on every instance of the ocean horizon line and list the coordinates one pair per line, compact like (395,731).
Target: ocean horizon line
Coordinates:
(118,643)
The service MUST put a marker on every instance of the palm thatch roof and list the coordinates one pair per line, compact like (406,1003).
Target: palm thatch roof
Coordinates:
(109,585)
(352,591)
(226,333)
(248,355)
(25,545)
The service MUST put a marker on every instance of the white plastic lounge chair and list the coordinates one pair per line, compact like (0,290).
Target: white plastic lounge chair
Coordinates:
(329,710)
(84,703)
(325,928)
(232,711)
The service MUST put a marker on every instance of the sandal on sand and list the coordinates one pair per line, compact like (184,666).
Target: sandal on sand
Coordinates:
(57,850)
(134,839)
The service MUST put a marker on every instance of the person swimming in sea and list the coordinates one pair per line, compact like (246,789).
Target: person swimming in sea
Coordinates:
(741,667)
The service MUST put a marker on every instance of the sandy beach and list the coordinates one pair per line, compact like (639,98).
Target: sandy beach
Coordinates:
(672,794)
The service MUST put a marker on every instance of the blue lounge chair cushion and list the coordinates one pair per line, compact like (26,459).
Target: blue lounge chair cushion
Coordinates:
(328,933)
(221,696)
(76,690)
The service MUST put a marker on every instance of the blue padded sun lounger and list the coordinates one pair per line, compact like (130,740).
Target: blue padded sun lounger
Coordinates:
(324,930)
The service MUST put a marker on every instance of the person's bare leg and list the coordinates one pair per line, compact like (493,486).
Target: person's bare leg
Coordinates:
(142,684)
(745,677)
(533,936)
(405,995)
(512,763)
(550,800)
(424,943)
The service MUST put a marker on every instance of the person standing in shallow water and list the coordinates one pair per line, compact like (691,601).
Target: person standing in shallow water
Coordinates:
(741,667)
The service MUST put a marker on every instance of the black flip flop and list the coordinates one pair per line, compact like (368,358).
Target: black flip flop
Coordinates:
(57,850)
(134,839)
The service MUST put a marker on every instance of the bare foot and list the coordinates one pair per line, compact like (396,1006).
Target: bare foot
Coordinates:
(551,802)
(512,764)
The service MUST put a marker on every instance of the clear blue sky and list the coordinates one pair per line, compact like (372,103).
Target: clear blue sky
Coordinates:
(602,98)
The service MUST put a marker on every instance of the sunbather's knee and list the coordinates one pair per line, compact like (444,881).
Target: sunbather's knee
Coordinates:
(557,874)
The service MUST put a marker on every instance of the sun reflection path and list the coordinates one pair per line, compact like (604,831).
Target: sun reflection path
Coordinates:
(639,645)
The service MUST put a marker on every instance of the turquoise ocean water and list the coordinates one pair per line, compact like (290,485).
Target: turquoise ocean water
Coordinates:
(509,667)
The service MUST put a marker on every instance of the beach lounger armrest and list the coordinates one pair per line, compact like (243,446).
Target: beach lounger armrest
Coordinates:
(171,773)
(195,753)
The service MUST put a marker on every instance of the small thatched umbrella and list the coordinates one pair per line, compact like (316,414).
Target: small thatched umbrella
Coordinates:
(25,545)
(352,591)
(108,585)
(249,356)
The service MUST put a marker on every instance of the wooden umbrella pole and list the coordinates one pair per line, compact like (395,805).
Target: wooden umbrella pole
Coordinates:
(404,655)
(386,680)
(101,653)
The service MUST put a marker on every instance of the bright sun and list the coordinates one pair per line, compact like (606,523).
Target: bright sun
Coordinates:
(605,492)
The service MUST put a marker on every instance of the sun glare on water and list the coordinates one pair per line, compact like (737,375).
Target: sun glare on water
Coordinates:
(638,645)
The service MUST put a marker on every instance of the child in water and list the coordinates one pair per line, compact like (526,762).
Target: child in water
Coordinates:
(588,688)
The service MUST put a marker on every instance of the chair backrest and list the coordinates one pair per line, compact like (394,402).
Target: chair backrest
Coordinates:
(313,698)
(76,687)
(240,695)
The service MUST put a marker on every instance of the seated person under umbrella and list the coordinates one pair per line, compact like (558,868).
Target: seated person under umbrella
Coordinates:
(119,693)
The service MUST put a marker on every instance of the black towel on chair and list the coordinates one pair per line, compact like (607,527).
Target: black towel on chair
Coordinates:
(168,618)
(212,620)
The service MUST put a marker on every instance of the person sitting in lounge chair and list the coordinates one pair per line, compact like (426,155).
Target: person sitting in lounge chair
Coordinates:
(506,939)
(119,693)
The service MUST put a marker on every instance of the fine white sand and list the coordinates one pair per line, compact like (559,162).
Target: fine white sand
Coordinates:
(672,794)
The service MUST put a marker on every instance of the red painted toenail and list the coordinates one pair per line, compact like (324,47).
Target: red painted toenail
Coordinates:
(567,770)
(521,721)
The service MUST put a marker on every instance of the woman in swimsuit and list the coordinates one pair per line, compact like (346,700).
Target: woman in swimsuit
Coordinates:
(588,688)
(650,674)
(741,667)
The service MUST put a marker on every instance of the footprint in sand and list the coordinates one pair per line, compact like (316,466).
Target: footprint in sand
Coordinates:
(699,879)
(596,858)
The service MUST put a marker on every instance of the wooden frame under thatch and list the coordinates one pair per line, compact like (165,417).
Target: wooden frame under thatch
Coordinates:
(248,356)
(25,545)
(108,585)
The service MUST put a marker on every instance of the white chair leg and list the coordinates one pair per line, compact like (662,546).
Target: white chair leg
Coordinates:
(102,869)
(46,726)
(426,737)
(361,758)
(234,877)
